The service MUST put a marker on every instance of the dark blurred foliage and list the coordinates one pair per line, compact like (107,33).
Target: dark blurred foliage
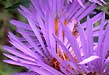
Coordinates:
(8,10)
(104,8)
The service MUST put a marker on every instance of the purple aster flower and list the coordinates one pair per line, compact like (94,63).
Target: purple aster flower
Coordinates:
(54,42)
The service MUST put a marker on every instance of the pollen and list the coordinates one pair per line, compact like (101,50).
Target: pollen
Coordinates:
(56,22)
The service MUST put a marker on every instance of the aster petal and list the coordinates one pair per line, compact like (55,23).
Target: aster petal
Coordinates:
(20,24)
(105,46)
(19,59)
(89,37)
(94,19)
(26,73)
(83,39)
(89,59)
(86,12)
(80,2)
(17,53)
(13,62)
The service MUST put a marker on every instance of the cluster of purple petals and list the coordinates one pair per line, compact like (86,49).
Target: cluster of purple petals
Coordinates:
(37,43)
(81,2)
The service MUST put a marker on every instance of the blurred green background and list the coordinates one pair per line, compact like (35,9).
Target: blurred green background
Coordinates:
(8,10)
